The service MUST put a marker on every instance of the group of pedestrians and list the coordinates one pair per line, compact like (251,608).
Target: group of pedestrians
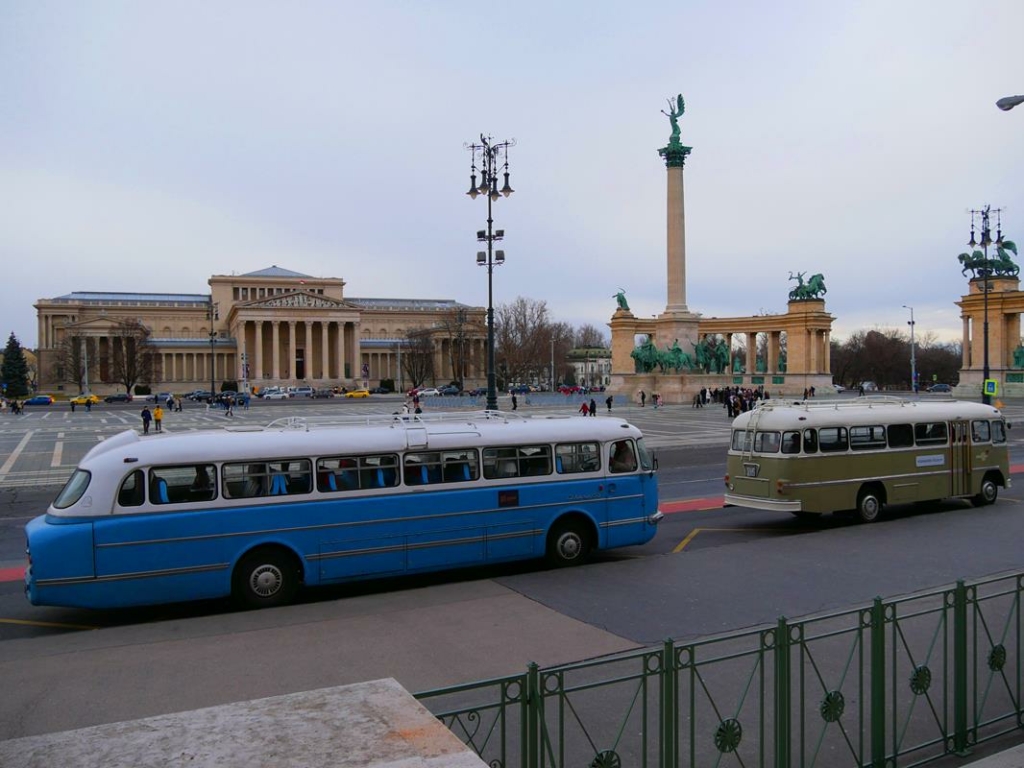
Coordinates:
(156,416)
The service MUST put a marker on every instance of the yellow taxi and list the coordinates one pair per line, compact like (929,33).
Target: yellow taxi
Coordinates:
(358,393)
(84,399)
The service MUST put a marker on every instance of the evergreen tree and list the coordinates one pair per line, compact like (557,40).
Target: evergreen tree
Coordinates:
(14,371)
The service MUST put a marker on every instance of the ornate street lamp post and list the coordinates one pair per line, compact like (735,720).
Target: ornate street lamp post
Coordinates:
(913,362)
(213,338)
(984,270)
(492,156)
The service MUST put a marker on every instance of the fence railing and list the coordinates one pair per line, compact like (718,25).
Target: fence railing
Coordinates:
(900,682)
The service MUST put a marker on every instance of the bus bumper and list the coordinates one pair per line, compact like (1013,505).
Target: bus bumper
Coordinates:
(656,517)
(733,500)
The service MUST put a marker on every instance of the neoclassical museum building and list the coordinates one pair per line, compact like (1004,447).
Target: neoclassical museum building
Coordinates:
(270,327)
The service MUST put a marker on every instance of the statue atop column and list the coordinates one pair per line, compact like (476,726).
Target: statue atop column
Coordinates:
(620,299)
(675,153)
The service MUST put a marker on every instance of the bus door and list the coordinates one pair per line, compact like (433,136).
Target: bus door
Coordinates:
(626,493)
(960,458)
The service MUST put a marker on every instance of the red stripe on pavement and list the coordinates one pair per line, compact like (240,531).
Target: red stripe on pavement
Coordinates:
(691,505)
(1016,469)
(12,574)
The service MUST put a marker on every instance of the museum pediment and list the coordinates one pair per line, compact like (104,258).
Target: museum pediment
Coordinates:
(297,300)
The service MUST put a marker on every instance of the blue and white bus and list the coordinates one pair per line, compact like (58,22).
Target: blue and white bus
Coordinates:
(258,512)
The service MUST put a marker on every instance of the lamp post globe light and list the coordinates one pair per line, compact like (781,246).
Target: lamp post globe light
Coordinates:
(1009,102)
(492,155)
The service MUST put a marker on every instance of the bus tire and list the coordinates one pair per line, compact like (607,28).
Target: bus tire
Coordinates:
(988,494)
(266,578)
(869,504)
(569,543)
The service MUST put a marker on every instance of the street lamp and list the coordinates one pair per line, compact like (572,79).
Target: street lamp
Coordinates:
(913,362)
(1009,102)
(985,271)
(492,155)
(213,338)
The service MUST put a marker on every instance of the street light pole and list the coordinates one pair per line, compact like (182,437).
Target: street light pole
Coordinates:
(1009,102)
(213,338)
(986,270)
(913,362)
(492,155)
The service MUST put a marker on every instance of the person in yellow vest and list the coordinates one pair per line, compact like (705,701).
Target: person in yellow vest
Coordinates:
(158,418)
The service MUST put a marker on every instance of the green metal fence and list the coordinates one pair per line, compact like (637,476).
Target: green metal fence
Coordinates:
(900,682)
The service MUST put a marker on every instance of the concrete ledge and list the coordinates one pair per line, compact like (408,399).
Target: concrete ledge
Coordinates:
(1010,758)
(368,725)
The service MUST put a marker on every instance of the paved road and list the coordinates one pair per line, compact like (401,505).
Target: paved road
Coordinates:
(739,568)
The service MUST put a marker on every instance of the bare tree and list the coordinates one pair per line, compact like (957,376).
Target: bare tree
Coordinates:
(590,337)
(75,357)
(522,339)
(133,358)
(418,356)
(454,324)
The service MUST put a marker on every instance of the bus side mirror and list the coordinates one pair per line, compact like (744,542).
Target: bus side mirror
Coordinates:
(655,460)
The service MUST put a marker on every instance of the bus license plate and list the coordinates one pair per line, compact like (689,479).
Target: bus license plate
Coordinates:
(752,469)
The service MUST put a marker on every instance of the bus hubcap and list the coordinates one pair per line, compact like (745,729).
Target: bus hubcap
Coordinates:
(570,546)
(266,580)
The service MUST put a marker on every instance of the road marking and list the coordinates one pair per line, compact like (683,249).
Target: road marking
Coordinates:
(50,624)
(15,454)
(690,537)
(58,454)
(691,505)
(12,574)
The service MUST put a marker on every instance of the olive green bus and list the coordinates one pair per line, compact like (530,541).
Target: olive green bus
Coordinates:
(808,458)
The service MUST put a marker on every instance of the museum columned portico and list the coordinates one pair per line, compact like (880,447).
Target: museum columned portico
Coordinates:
(268,327)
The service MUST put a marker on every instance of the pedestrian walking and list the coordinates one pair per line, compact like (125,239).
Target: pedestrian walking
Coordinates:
(643,398)
(88,406)
(158,417)
(72,406)
(593,407)
(584,408)
(515,403)
(608,402)
(146,418)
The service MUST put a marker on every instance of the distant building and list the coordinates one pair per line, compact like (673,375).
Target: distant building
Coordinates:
(592,366)
(270,327)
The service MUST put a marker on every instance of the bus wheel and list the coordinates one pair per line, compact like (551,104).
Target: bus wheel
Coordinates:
(568,543)
(265,578)
(988,494)
(869,505)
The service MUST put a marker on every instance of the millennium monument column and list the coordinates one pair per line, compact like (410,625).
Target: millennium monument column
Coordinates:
(677,322)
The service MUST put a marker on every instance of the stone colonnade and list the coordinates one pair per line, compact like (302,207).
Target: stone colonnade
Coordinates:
(313,349)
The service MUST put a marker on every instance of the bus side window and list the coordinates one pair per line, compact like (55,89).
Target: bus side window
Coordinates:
(622,459)
(571,458)
(933,433)
(791,442)
(766,442)
(980,432)
(832,439)
(900,435)
(867,438)
(998,432)
(131,493)
(810,441)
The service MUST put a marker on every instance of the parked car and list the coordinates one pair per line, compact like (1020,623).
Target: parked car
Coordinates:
(380,391)
(358,393)
(200,395)
(323,392)
(477,392)
(160,397)
(85,398)
(301,391)
(120,397)
(39,400)
(429,391)
(940,388)
(450,389)
(275,394)
(839,387)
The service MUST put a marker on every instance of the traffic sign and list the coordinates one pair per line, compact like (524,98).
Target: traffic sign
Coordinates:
(991,387)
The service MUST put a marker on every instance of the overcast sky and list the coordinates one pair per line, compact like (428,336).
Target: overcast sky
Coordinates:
(146,146)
